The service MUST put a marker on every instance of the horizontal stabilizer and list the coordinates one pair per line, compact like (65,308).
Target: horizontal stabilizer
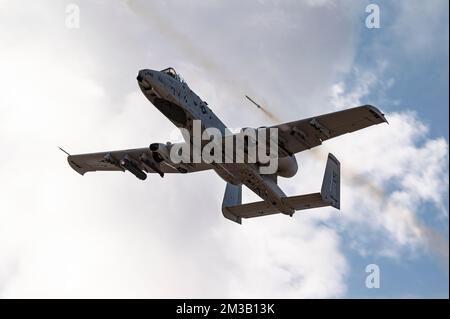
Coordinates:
(329,196)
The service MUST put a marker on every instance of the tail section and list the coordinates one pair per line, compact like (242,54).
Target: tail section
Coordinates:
(328,196)
(331,185)
(232,198)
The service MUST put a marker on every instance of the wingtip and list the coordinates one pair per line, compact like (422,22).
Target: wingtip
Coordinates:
(383,116)
(376,111)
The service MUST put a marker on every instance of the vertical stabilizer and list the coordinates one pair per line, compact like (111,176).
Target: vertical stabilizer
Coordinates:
(331,185)
(232,197)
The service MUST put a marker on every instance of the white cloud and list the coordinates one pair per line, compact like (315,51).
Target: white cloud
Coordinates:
(367,80)
(389,173)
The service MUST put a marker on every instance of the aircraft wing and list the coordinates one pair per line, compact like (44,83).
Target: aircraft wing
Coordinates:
(294,137)
(133,160)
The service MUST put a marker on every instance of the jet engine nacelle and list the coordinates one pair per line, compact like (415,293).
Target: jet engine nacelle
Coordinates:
(160,152)
(287,166)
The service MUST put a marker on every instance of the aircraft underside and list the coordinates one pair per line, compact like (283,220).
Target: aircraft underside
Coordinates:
(183,107)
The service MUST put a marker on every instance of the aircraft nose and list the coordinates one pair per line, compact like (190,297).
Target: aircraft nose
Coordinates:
(142,75)
(143,78)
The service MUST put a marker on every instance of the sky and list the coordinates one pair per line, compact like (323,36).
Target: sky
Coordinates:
(108,234)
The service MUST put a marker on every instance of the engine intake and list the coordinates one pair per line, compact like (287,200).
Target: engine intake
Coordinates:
(160,152)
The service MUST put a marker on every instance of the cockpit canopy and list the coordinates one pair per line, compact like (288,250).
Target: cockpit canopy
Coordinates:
(171,72)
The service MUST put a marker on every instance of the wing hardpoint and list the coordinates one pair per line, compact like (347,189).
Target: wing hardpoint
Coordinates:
(142,158)
(328,196)
(300,135)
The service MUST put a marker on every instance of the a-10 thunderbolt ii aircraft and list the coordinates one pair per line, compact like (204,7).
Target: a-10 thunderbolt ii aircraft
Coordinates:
(172,96)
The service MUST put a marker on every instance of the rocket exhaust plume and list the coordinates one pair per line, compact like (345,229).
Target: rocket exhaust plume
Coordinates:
(269,114)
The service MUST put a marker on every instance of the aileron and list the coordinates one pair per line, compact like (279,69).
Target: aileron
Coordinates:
(311,132)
